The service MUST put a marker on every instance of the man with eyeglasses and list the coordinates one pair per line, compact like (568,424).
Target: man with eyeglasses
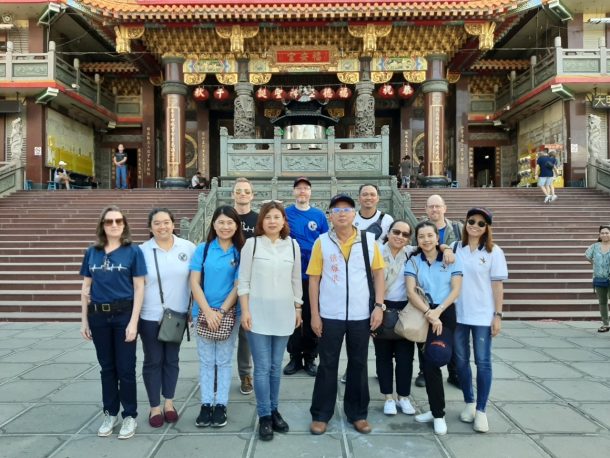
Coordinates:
(449,232)
(368,217)
(243,195)
(339,296)
(306,225)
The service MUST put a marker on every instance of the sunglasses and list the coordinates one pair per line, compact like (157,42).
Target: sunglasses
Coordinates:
(337,210)
(110,221)
(243,191)
(405,235)
(472,222)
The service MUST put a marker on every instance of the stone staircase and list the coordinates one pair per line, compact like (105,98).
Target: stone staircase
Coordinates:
(43,235)
(544,245)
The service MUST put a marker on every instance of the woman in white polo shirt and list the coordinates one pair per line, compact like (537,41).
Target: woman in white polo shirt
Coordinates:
(479,310)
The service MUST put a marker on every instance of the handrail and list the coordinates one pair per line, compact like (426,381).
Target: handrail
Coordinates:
(11,177)
(196,229)
(401,205)
(598,176)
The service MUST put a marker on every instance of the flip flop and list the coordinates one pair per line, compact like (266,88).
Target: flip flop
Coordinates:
(603,328)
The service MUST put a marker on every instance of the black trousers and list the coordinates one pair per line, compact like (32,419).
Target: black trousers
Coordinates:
(356,398)
(303,343)
(386,351)
(434,376)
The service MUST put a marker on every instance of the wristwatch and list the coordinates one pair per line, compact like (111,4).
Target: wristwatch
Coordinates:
(381,306)
(500,314)
(222,311)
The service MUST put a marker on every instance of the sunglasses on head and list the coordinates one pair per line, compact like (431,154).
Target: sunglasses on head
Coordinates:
(472,222)
(405,235)
(268,201)
(111,221)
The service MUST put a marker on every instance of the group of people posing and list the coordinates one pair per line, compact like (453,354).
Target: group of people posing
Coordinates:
(282,280)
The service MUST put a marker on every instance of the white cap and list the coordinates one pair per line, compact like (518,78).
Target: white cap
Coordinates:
(62,163)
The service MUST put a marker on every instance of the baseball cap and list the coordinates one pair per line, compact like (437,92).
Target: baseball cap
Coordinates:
(298,180)
(342,198)
(439,348)
(62,163)
(485,213)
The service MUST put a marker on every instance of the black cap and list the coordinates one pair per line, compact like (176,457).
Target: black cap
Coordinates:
(486,214)
(342,198)
(298,180)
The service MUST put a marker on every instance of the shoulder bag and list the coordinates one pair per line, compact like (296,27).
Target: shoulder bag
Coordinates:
(227,322)
(412,324)
(173,324)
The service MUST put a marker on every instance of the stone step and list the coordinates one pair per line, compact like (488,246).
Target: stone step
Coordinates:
(39,285)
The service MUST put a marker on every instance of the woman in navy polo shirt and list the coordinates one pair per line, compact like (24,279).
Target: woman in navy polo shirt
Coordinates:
(442,284)
(111,298)
(479,311)
(218,257)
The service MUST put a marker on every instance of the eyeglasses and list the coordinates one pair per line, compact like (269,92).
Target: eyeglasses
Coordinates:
(110,221)
(405,235)
(472,222)
(337,210)
(243,191)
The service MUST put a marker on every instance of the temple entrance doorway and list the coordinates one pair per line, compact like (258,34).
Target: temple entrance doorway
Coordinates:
(484,166)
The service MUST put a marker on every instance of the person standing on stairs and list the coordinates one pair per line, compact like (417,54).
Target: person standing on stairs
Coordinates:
(112,293)
(167,262)
(243,194)
(546,172)
(119,159)
(306,225)
(598,254)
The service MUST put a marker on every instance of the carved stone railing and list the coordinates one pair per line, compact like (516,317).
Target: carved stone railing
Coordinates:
(562,62)
(598,175)
(25,67)
(401,205)
(196,229)
(11,177)
(277,157)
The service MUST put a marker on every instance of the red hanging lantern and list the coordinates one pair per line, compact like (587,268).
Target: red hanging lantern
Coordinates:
(201,94)
(294,94)
(263,94)
(344,93)
(278,94)
(221,93)
(386,91)
(406,91)
(326,93)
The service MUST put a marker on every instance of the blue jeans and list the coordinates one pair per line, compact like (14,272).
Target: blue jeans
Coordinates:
(219,354)
(481,343)
(267,354)
(117,359)
(121,176)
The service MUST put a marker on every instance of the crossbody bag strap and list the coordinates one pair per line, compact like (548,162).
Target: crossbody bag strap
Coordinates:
(159,278)
(367,263)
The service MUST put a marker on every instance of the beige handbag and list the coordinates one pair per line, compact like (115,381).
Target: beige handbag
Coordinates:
(412,324)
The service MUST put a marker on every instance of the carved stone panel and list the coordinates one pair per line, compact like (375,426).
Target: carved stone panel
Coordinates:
(358,163)
(256,163)
(24,70)
(581,65)
(306,164)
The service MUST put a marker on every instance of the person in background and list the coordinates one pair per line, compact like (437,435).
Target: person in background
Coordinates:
(243,194)
(442,283)
(406,169)
(112,293)
(196,181)
(217,261)
(306,224)
(546,171)
(270,296)
(478,310)
(395,251)
(61,176)
(167,259)
(120,162)
(598,254)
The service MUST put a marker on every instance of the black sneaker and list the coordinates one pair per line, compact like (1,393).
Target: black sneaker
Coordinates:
(310,367)
(205,416)
(278,423)
(420,381)
(265,428)
(219,417)
(294,365)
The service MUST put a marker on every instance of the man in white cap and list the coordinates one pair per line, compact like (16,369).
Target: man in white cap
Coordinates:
(61,176)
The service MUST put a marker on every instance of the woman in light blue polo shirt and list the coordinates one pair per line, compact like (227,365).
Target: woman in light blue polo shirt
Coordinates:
(218,258)
(442,284)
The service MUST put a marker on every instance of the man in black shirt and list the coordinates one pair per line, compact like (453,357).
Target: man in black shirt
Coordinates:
(120,161)
(242,200)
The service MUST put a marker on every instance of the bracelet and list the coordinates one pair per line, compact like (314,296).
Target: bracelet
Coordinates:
(427,311)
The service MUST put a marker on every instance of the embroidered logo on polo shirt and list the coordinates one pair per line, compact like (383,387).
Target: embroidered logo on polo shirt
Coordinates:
(183,257)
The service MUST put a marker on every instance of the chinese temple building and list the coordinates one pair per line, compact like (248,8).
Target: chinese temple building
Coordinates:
(471,88)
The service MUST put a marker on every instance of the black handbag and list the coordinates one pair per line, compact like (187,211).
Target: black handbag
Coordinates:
(173,324)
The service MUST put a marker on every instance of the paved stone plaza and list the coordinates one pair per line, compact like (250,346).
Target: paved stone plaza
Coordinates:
(550,397)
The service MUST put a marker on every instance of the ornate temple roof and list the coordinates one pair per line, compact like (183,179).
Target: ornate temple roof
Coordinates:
(289,10)
(501,64)
(108,67)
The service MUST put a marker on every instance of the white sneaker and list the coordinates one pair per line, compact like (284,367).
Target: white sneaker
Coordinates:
(440,427)
(108,425)
(128,429)
(553,198)
(480,422)
(389,408)
(424,417)
(406,406)
(547,199)
(467,415)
